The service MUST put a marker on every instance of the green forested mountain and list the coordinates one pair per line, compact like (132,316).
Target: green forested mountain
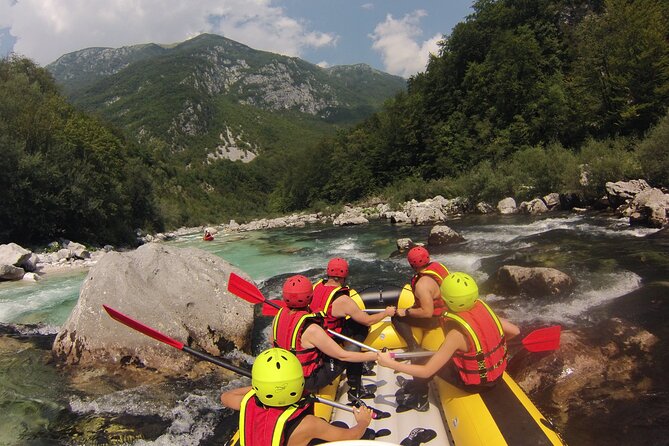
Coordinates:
(64,173)
(196,104)
(78,70)
(524,98)
(211,91)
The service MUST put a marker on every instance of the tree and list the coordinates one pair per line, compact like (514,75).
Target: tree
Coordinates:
(621,69)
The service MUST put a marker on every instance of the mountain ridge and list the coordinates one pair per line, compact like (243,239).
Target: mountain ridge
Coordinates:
(192,93)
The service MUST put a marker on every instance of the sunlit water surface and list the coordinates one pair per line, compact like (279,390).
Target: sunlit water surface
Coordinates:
(605,257)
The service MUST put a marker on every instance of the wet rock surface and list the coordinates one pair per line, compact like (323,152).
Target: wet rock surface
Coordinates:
(182,293)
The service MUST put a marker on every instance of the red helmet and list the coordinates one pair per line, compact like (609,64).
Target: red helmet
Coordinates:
(418,257)
(337,267)
(297,292)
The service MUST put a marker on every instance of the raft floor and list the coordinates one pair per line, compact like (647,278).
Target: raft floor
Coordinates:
(401,424)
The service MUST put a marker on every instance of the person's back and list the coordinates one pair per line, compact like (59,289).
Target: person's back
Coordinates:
(428,305)
(325,293)
(288,327)
(475,338)
(323,360)
(342,315)
(483,360)
(261,424)
(274,412)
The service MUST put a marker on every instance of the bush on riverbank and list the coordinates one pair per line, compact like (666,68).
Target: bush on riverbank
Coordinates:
(654,153)
(537,171)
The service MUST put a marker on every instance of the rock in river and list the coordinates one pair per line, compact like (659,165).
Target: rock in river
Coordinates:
(179,292)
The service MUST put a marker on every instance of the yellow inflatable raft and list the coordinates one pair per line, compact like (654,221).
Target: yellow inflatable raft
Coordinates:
(503,415)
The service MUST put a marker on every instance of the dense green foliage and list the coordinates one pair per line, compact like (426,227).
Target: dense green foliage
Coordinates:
(523,98)
(64,173)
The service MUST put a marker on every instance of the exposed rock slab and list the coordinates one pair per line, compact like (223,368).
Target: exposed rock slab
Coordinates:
(179,292)
(585,375)
(537,281)
(443,235)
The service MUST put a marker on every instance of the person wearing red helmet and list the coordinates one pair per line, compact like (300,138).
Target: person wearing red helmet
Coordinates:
(332,300)
(473,355)
(425,313)
(298,329)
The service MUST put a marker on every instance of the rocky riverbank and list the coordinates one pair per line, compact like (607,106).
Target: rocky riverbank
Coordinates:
(635,200)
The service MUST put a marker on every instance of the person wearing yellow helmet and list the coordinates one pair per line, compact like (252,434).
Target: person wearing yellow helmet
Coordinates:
(273,410)
(475,340)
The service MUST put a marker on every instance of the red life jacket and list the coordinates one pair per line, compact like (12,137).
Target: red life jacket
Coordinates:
(287,329)
(486,359)
(324,296)
(438,272)
(261,425)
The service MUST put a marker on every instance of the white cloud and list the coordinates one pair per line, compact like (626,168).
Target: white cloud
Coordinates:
(397,41)
(5,13)
(323,64)
(367,6)
(47,29)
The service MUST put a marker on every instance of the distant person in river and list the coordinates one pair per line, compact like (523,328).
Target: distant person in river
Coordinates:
(475,340)
(297,329)
(332,299)
(207,235)
(273,411)
(425,313)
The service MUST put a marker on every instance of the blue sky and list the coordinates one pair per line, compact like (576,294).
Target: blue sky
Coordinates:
(395,36)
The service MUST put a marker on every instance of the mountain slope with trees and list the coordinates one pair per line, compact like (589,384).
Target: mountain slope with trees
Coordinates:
(196,93)
(65,173)
(524,98)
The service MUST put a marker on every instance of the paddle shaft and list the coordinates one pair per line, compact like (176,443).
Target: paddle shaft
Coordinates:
(376,350)
(217,361)
(353,341)
(408,355)
(155,334)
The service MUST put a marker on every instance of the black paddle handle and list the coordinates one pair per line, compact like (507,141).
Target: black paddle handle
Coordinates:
(217,361)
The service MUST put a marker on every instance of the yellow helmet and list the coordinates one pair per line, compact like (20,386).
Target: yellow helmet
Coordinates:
(459,291)
(277,378)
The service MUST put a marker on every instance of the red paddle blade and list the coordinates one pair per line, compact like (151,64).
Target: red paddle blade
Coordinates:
(126,320)
(543,339)
(244,289)
(269,307)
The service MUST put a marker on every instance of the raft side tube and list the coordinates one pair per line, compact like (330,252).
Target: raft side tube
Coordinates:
(383,296)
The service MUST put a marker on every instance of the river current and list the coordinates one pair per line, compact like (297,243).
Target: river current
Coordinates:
(605,257)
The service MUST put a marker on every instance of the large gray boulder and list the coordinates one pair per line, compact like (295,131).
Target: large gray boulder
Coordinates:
(532,281)
(443,235)
(649,207)
(507,206)
(13,254)
(533,207)
(180,292)
(12,259)
(11,272)
(622,192)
